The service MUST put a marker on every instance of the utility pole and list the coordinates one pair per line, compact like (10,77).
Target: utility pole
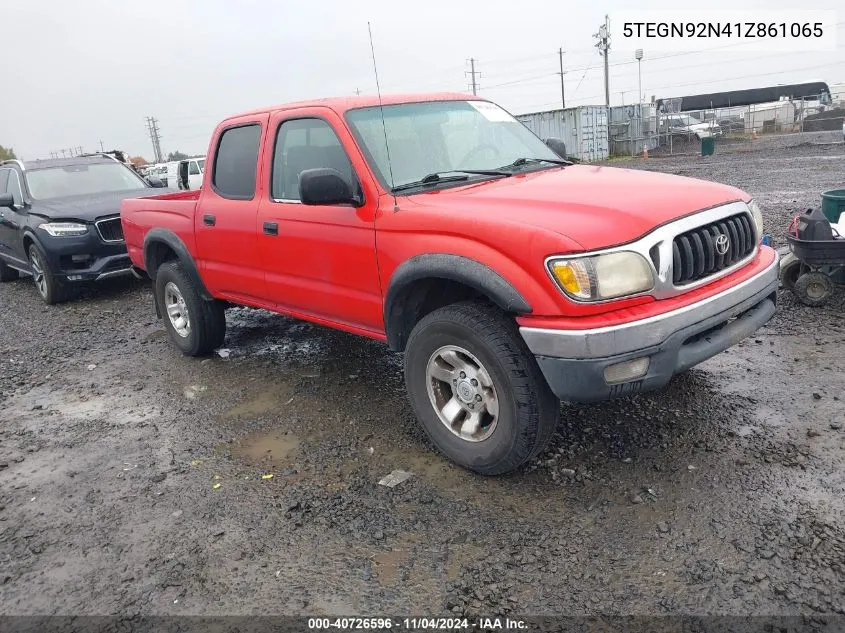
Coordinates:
(102,149)
(357,91)
(603,45)
(638,55)
(562,93)
(155,137)
(472,71)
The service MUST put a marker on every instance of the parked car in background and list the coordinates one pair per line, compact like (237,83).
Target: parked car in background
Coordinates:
(509,277)
(689,125)
(60,222)
(186,174)
(159,170)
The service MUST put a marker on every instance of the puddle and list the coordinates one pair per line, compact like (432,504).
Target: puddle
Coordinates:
(265,402)
(277,448)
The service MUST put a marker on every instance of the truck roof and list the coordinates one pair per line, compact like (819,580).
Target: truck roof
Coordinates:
(343,104)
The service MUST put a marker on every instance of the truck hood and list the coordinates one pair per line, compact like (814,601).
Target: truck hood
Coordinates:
(89,207)
(597,207)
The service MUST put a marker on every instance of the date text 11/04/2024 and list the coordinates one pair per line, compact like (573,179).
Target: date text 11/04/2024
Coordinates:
(418,624)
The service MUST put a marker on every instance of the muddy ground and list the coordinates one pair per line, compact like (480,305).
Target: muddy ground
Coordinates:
(131,477)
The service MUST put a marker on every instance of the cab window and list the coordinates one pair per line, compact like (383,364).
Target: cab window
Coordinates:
(305,144)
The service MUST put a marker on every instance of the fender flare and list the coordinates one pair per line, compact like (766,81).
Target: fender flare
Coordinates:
(454,268)
(172,241)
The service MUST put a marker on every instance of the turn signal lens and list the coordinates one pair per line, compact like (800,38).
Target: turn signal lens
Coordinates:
(574,277)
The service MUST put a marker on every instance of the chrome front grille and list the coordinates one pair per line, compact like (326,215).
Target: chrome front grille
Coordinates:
(110,229)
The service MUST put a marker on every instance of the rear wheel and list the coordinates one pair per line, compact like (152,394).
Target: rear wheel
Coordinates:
(195,325)
(51,289)
(477,390)
(813,289)
(7,273)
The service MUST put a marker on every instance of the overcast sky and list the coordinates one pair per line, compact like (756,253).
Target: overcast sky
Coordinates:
(80,71)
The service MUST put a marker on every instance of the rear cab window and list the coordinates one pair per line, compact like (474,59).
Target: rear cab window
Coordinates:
(236,162)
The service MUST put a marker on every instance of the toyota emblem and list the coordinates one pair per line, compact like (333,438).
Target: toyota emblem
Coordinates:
(722,244)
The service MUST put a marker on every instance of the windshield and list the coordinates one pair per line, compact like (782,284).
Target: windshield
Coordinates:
(442,136)
(80,180)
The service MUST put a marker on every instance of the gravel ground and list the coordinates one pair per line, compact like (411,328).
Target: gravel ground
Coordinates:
(131,477)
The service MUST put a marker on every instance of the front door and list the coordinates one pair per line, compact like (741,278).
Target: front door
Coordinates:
(225,221)
(11,220)
(320,261)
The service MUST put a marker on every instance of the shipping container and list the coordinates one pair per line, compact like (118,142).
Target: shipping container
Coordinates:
(584,130)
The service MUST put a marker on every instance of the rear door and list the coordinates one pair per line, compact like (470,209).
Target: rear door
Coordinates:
(320,261)
(225,221)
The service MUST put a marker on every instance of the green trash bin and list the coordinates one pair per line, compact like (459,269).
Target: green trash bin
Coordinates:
(833,204)
(708,145)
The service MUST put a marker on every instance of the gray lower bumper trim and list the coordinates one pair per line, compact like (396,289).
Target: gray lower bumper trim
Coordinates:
(115,273)
(627,337)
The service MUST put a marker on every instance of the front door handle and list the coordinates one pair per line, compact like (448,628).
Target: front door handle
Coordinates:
(271,228)
(209,220)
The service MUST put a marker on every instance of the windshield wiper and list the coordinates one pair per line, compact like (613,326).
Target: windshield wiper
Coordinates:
(440,177)
(519,162)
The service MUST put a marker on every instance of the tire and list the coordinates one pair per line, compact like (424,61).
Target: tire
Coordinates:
(7,273)
(789,274)
(813,289)
(202,327)
(52,291)
(481,336)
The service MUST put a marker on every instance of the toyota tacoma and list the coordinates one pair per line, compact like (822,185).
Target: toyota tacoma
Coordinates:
(509,277)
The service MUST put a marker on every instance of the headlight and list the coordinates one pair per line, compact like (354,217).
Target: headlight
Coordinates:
(758,217)
(64,229)
(602,277)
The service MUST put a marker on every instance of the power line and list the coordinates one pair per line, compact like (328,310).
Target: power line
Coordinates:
(704,83)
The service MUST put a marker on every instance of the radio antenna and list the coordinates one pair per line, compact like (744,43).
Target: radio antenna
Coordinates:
(383,124)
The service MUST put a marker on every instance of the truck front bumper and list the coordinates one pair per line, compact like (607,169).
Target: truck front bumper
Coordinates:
(576,362)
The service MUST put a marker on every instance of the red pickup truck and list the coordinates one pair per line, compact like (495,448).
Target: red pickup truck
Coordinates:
(509,277)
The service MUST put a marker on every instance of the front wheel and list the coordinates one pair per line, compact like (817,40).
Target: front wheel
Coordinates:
(477,390)
(50,289)
(195,325)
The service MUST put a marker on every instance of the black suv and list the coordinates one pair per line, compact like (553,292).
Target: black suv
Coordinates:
(60,220)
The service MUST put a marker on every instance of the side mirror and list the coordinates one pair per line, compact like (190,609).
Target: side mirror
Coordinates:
(325,186)
(557,145)
(7,200)
(155,182)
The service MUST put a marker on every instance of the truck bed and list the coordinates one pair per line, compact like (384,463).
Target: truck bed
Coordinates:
(171,211)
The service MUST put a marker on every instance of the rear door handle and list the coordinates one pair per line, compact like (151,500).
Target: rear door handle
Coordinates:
(209,220)
(271,228)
